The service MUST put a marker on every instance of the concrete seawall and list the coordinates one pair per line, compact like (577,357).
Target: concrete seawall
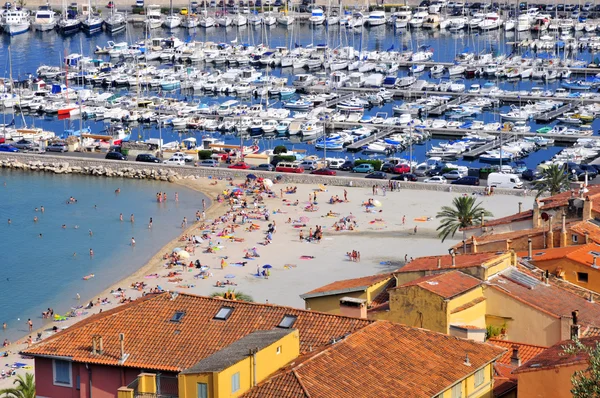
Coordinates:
(136,170)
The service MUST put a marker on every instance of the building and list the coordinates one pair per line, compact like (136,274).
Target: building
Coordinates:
(549,373)
(451,303)
(363,290)
(403,362)
(180,345)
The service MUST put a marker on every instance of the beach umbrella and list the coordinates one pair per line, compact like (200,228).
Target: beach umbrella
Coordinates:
(229,276)
(251,177)
(304,219)
(376,203)
(267,266)
(177,249)
(183,254)
(267,183)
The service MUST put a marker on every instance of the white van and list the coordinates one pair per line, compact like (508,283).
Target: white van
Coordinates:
(335,164)
(501,180)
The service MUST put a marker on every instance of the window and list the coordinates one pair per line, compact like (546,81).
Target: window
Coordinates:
(457,391)
(235,382)
(224,313)
(287,322)
(582,277)
(202,390)
(479,377)
(177,316)
(61,371)
(278,350)
(574,238)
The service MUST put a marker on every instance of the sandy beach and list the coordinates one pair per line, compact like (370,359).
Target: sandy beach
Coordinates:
(384,236)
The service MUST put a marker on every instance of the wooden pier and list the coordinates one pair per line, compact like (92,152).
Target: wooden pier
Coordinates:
(439,110)
(549,116)
(357,146)
(476,152)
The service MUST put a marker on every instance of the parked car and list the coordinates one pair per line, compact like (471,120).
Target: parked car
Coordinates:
(239,166)
(363,168)
(146,157)
(309,164)
(57,147)
(324,172)
(207,163)
(115,156)
(347,165)
(387,167)
(453,175)
(401,169)
(378,175)
(591,170)
(530,175)
(435,180)
(435,171)
(504,180)
(8,148)
(467,180)
(175,161)
(36,150)
(110,4)
(23,144)
(264,167)
(183,156)
(183,11)
(406,177)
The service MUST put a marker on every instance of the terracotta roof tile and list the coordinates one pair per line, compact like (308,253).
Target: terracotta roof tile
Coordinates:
(153,341)
(524,215)
(581,254)
(526,351)
(550,299)
(562,199)
(384,296)
(347,285)
(383,359)
(446,285)
(555,356)
(502,385)
(430,263)
(589,227)
(591,331)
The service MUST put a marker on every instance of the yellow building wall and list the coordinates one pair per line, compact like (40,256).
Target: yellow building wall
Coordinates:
(570,269)
(268,361)
(474,315)
(414,306)
(498,264)
(484,390)
(331,303)
(555,383)
(524,323)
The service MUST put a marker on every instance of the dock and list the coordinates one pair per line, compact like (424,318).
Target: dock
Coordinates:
(357,146)
(335,101)
(549,116)
(439,110)
(476,152)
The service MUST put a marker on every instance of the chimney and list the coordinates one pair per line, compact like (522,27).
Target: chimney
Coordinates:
(520,207)
(464,246)
(440,262)
(546,276)
(453,259)
(587,209)
(473,244)
(515,359)
(93,345)
(587,238)
(594,262)
(550,240)
(575,327)
(529,249)
(467,361)
(122,343)
(591,299)
(353,307)
(100,345)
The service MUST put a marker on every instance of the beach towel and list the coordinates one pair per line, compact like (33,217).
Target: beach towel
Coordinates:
(307,257)
(289,266)
(421,219)
(19,365)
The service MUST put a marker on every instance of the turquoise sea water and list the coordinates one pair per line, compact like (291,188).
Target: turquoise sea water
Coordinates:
(40,272)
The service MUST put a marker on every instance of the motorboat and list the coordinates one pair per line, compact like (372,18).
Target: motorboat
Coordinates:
(15,22)
(492,21)
(311,128)
(172,21)
(376,18)
(190,21)
(154,18)
(418,18)
(44,19)
(317,16)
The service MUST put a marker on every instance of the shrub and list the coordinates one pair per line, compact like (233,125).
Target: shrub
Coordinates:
(373,162)
(204,155)
(279,149)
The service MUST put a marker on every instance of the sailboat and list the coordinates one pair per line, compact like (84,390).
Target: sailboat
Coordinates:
(285,19)
(190,21)
(68,23)
(172,20)
(115,22)
(93,22)
(206,21)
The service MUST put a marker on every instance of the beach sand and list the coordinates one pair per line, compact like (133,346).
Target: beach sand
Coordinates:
(381,237)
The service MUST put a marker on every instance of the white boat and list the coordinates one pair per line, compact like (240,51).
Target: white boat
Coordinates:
(44,19)
(457,24)
(357,21)
(376,18)
(224,20)
(285,20)
(456,70)
(418,18)
(432,21)
(510,25)
(15,22)
(190,21)
(154,18)
(172,21)
(115,22)
(269,19)
(401,21)
(239,20)
(523,23)
(492,21)
(317,17)
(311,128)
(206,21)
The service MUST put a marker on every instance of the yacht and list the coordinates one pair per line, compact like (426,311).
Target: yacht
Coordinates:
(154,18)
(224,20)
(241,20)
(15,22)
(44,19)
(376,18)
(285,20)
(115,22)
(523,23)
(401,21)
(317,17)
(207,21)
(190,21)
(432,21)
(419,17)
(68,26)
(492,21)
(172,21)
(92,23)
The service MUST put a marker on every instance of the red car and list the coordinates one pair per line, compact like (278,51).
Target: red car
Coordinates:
(110,4)
(401,169)
(240,166)
(323,172)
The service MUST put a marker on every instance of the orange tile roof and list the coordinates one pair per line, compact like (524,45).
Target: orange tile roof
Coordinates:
(346,286)
(562,199)
(383,359)
(492,237)
(522,216)
(430,263)
(589,227)
(446,285)
(384,296)
(555,356)
(580,254)
(526,351)
(551,299)
(153,341)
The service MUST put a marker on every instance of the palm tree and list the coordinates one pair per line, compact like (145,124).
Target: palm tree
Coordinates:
(553,180)
(25,388)
(240,296)
(463,213)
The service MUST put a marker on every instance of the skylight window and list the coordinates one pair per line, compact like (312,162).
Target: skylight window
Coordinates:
(177,316)
(224,313)
(287,322)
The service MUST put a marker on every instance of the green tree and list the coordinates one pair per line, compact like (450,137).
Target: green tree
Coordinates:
(25,387)
(279,149)
(586,382)
(463,213)
(553,180)
(240,296)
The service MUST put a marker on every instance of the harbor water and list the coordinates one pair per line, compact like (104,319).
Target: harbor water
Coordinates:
(43,263)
